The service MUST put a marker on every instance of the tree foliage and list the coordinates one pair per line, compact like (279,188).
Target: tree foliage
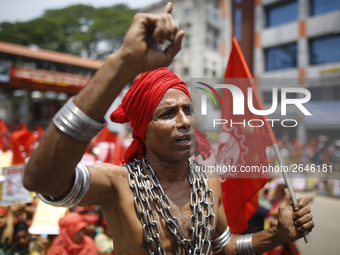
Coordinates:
(78,29)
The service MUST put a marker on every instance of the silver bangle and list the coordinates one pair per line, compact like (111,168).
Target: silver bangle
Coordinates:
(79,189)
(218,244)
(244,245)
(73,122)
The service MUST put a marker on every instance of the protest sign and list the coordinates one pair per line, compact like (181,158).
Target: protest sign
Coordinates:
(46,219)
(13,190)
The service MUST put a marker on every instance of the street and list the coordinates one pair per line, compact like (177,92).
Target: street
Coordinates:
(325,235)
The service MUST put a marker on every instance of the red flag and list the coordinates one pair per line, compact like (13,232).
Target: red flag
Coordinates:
(111,139)
(3,137)
(20,143)
(241,145)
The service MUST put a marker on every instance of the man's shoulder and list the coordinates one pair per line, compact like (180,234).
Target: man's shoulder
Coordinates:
(110,169)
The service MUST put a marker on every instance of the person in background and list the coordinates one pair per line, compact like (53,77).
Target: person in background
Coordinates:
(72,239)
(91,217)
(6,227)
(104,241)
(257,221)
(24,244)
(19,213)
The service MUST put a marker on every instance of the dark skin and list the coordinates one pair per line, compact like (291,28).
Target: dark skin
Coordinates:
(22,238)
(78,237)
(51,167)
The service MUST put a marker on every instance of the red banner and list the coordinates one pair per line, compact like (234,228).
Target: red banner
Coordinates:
(48,77)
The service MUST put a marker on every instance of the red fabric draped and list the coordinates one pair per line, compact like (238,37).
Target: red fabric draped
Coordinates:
(71,224)
(240,194)
(139,103)
(3,138)
(20,143)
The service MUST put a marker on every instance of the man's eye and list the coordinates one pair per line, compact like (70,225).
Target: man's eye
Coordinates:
(165,115)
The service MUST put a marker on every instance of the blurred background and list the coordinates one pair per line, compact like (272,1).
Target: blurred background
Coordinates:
(49,50)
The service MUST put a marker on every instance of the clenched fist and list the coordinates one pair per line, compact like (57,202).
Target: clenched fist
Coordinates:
(141,46)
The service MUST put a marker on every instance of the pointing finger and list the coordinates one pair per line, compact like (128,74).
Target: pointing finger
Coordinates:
(168,8)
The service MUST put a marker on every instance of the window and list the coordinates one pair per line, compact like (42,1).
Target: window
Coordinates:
(325,50)
(281,57)
(283,13)
(268,96)
(322,6)
(186,43)
(205,71)
(187,12)
(324,93)
(238,23)
(186,71)
(212,37)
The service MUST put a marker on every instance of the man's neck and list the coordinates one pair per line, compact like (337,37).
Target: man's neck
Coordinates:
(169,172)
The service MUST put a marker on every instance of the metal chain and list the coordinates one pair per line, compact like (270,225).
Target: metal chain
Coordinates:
(144,183)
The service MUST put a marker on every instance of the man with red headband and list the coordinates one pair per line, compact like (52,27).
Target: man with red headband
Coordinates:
(158,202)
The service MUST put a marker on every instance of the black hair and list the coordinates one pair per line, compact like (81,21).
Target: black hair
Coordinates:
(20,226)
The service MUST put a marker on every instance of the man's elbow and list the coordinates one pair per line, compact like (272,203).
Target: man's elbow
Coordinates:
(29,183)
(31,178)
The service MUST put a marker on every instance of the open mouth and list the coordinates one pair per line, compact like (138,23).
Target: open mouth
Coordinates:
(185,139)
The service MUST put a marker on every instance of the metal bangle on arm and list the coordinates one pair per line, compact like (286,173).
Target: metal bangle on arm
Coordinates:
(218,244)
(79,189)
(75,123)
(244,245)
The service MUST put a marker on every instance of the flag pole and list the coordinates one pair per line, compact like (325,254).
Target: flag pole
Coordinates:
(289,186)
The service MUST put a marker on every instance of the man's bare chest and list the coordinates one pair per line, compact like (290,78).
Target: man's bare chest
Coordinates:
(160,219)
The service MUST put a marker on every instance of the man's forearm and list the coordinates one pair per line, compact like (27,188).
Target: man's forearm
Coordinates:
(95,99)
(266,240)
(51,167)
(262,241)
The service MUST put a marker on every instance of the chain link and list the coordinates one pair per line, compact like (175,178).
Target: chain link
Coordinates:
(145,184)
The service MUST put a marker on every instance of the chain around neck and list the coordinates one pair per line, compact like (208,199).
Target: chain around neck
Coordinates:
(146,188)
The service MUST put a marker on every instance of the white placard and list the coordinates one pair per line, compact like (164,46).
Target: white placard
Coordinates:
(13,190)
(46,219)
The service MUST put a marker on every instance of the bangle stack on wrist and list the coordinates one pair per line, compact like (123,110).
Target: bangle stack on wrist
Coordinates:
(218,244)
(73,122)
(244,245)
(79,189)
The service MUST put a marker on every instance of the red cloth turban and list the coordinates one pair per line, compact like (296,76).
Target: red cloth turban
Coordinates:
(139,103)
(3,211)
(71,223)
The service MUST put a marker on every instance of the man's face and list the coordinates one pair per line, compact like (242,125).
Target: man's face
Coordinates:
(22,238)
(170,132)
(78,237)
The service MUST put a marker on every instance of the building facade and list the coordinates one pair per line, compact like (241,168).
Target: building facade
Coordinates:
(207,42)
(297,44)
(35,83)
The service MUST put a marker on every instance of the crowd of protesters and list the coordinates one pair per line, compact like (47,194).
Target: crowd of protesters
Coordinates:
(83,230)
(318,150)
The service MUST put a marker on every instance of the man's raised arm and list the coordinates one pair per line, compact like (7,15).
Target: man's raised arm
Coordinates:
(51,169)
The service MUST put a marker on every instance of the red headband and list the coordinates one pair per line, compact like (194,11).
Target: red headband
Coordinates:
(139,103)
(3,210)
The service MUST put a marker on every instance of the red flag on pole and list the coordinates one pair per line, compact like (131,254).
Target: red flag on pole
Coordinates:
(242,145)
